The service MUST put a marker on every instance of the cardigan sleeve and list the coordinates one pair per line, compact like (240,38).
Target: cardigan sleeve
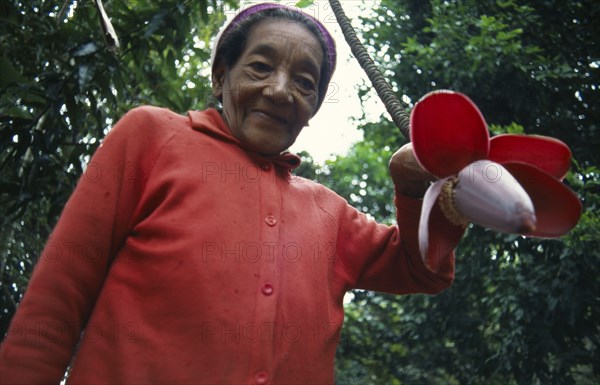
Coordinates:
(387,258)
(71,269)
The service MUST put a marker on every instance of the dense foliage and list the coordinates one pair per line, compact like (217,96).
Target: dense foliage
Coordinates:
(61,87)
(521,311)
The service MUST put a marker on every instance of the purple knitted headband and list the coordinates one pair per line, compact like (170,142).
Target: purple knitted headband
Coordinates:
(330,43)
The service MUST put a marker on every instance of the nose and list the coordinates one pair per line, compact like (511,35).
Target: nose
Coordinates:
(278,88)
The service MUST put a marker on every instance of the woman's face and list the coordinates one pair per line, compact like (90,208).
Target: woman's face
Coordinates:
(272,91)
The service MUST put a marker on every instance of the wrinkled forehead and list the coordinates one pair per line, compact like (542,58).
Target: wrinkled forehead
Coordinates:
(284,37)
(323,36)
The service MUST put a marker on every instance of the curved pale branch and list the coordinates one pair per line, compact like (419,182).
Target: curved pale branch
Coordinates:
(110,36)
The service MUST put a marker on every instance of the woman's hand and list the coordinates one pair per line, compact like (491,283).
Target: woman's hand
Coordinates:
(409,177)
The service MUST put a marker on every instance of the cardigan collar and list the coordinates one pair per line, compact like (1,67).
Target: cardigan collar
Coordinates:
(211,123)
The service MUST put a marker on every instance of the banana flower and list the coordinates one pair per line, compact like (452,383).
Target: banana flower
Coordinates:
(509,183)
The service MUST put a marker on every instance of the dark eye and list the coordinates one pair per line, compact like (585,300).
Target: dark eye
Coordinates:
(306,84)
(260,67)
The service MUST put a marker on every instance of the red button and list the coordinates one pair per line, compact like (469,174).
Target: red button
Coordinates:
(271,220)
(267,289)
(261,378)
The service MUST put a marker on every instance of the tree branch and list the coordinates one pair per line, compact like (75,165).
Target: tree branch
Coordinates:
(385,92)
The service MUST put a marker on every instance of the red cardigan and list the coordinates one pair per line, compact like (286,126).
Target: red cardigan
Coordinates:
(187,260)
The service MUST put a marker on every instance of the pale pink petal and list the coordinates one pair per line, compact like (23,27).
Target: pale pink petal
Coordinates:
(438,237)
(488,195)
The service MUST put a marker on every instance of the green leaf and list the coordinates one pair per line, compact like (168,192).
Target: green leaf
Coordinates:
(304,3)
(16,112)
(8,73)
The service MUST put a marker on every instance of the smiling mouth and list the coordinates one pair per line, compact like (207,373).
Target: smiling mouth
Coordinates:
(271,116)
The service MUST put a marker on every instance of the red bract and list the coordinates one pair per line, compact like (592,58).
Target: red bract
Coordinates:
(451,140)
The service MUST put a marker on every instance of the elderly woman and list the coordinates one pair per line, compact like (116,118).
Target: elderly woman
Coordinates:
(189,254)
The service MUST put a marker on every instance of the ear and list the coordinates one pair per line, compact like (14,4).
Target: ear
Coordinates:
(218,78)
